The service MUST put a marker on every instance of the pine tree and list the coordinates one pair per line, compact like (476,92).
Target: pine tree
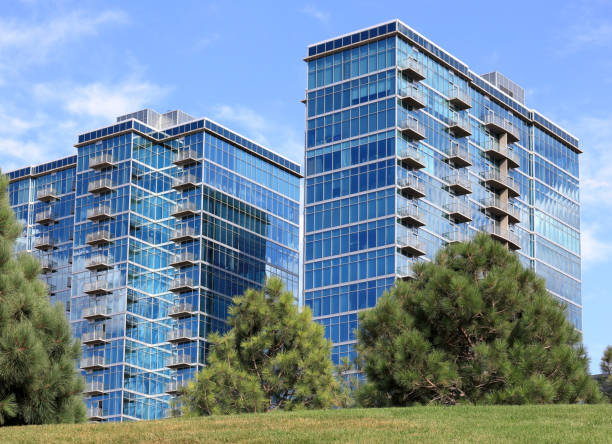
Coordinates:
(606,362)
(273,358)
(38,378)
(474,326)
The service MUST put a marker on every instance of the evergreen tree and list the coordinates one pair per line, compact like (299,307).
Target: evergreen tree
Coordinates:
(38,379)
(273,358)
(606,362)
(474,326)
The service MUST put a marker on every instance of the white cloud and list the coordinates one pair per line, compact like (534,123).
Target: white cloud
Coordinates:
(277,136)
(594,246)
(316,13)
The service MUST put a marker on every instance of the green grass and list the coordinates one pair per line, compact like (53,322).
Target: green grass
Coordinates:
(463,424)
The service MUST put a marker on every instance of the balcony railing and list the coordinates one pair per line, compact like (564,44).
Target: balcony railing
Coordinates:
(457,236)
(410,157)
(95,414)
(185,209)
(186,157)
(411,186)
(98,262)
(185,182)
(412,68)
(408,214)
(44,243)
(498,181)
(93,362)
(494,149)
(99,186)
(174,387)
(183,259)
(182,334)
(46,217)
(405,272)
(459,155)
(411,96)
(410,244)
(412,128)
(459,125)
(497,124)
(48,265)
(181,310)
(100,237)
(97,287)
(101,161)
(182,284)
(459,183)
(181,360)
(94,388)
(47,194)
(94,337)
(503,234)
(96,312)
(98,213)
(496,206)
(459,211)
(459,98)
(185,233)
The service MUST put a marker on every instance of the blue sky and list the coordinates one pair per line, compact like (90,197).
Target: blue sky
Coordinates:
(72,66)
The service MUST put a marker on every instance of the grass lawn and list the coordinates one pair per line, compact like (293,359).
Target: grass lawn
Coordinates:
(464,424)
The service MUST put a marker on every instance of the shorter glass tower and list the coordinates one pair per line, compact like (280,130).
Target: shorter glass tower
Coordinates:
(145,236)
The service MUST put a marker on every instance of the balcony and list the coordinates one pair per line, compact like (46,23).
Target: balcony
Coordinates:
(98,287)
(180,360)
(495,151)
(101,161)
(408,214)
(412,68)
(185,182)
(98,263)
(459,98)
(455,237)
(46,217)
(95,414)
(410,186)
(412,128)
(412,97)
(99,213)
(405,272)
(185,209)
(181,335)
(410,157)
(94,388)
(459,155)
(48,265)
(181,310)
(174,387)
(100,186)
(44,243)
(182,284)
(185,233)
(499,125)
(494,205)
(98,238)
(503,235)
(459,211)
(93,363)
(500,182)
(186,157)
(459,125)
(47,194)
(95,337)
(96,313)
(459,183)
(409,244)
(184,259)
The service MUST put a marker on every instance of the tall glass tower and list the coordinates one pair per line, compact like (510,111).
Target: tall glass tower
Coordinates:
(408,150)
(146,235)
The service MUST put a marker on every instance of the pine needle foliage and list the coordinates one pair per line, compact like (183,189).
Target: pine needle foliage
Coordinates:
(273,358)
(475,326)
(39,383)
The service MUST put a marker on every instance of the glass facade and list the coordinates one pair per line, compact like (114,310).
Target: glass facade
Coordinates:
(145,236)
(408,150)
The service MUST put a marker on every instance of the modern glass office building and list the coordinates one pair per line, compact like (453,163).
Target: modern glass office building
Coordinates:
(145,235)
(408,150)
